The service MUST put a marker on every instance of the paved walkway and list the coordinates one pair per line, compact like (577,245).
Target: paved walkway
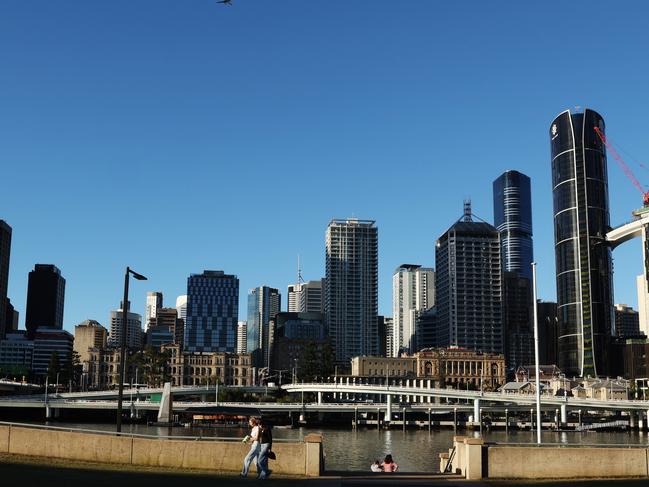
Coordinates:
(15,470)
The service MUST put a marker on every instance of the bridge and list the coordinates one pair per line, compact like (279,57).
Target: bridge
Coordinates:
(479,398)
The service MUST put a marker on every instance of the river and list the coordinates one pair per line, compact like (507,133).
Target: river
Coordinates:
(413,450)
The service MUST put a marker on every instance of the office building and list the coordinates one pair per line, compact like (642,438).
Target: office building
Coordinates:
(48,341)
(518,320)
(468,286)
(212,312)
(263,305)
(306,297)
(5,251)
(627,323)
(153,303)
(242,337)
(583,258)
(45,299)
(427,328)
(181,307)
(351,288)
(166,328)
(512,199)
(413,292)
(134,338)
(11,317)
(89,334)
(548,332)
(16,354)
(295,335)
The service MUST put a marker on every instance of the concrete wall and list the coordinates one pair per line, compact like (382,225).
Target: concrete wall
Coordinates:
(548,462)
(299,458)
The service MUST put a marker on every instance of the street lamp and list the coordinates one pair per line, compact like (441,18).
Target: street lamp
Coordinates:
(122,344)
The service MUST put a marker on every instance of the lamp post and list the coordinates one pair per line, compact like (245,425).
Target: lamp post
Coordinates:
(122,344)
(536,357)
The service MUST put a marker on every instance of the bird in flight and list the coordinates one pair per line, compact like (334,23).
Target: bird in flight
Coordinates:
(225,2)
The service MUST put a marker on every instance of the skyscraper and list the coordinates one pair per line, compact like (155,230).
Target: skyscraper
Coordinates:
(5,250)
(212,312)
(134,336)
(413,292)
(45,299)
(242,337)
(513,218)
(583,260)
(512,200)
(306,297)
(181,306)
(468,286)
(263,304)
(153,303)
(351,288)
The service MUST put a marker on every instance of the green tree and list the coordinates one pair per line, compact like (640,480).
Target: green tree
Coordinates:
(54,367)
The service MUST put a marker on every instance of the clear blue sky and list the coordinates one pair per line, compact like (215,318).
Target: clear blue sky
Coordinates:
(175,136)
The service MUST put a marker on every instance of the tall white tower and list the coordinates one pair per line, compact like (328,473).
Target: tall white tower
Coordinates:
(413,292)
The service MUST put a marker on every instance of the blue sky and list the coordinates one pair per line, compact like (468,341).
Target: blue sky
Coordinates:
(176,136)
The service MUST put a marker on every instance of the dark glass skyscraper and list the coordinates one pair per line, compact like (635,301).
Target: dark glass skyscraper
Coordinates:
(263,304)
(513,219)
(5,250)
(512,199)
(212,312)
(45,299)
(583,260)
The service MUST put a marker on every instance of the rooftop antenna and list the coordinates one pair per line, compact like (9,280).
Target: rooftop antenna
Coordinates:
(300,281)
(467,211)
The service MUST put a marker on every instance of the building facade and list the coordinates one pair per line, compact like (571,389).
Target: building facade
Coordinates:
(153,303)
(512,197)
(455,367)
(89,334)
(134,335)
(627,323)
(204,368)
(413,292)
(181,307)
(45,299)
(263,305)
(212,312)
(583,259)
(48,341)
(5,251)
(351,288)
(242,337)
(468,286)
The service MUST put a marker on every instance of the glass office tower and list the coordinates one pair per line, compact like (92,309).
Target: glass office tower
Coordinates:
(583,260)
(212,312)
(513,219)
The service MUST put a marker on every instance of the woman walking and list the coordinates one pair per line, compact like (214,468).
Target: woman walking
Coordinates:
(253,439)
(266,443)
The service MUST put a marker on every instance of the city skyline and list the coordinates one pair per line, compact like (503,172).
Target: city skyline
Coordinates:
(371,106)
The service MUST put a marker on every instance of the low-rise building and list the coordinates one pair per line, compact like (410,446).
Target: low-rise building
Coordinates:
(454,367)
(197,368)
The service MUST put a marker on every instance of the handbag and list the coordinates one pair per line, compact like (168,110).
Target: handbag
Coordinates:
(271,455)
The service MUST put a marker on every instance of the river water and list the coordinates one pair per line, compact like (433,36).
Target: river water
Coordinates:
(413,450)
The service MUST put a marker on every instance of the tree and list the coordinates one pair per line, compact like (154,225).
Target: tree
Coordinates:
(54,367)
(316,361)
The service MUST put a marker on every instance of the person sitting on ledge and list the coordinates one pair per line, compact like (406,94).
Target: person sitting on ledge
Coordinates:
(389,465)
(376,467)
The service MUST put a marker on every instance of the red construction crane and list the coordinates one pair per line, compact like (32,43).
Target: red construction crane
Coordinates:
(625,168)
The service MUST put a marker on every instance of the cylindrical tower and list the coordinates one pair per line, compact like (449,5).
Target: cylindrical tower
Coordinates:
(513,219)
(583,260)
